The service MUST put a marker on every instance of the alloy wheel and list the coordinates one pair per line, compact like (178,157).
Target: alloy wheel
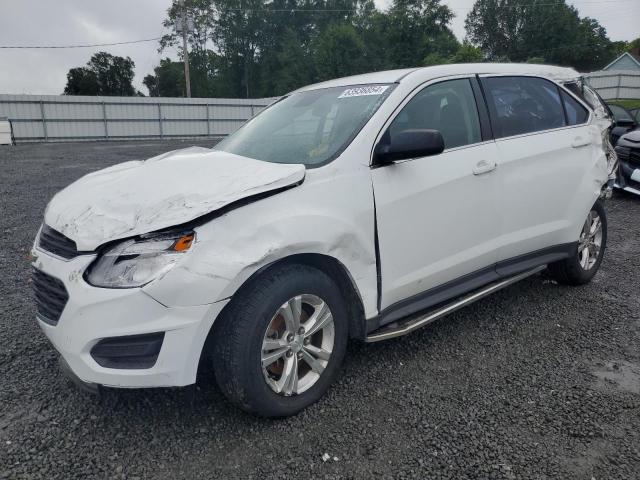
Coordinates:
(590,241)
(297,345)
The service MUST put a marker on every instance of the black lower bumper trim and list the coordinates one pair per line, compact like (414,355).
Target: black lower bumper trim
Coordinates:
(128,352)
(92,388)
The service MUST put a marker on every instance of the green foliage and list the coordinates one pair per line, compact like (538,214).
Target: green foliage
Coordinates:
(518,31)
(104,74)
(627,103)
(254,48)
(415,29)
(622,46)
(338,51)
(467,53)
(287,68)
(167,81)
(81,81)
(433,59)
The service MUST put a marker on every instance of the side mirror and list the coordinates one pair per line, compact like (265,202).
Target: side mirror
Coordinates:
(406,144)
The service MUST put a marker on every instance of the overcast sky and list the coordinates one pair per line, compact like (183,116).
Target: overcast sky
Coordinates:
(68,22)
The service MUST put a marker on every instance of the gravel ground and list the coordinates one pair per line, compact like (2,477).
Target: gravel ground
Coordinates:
(538,381)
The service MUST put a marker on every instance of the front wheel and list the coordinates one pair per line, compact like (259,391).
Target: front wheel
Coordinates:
(280,343)
(581,267)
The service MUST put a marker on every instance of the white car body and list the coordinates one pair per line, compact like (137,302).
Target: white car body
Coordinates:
(397,231)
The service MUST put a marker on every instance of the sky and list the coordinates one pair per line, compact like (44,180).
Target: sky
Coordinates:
(73,22)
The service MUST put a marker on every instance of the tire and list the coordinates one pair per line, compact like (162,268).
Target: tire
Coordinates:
(259,317)
(575,270)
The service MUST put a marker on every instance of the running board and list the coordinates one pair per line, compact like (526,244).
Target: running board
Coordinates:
(628,189)
(411,323)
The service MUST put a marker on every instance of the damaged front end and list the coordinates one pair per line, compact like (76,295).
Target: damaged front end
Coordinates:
(139,197)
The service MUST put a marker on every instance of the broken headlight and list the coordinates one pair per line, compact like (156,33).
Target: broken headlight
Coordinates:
(134,263)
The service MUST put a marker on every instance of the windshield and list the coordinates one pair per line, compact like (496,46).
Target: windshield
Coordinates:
(620,113)
(310,127)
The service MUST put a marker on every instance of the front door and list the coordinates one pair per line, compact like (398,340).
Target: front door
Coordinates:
(437,216)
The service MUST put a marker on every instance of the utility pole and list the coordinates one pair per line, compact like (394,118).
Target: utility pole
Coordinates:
(185,52)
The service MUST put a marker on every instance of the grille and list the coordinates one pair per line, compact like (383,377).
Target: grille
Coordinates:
(622,153)
(51,296)
(56,243)
(634,155)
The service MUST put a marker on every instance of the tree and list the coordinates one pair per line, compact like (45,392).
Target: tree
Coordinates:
(233,26)
(414,29)
(434,59)
(252,48)
(518,31)
(167,80)
(621,46)
(81,81)
(467,53)
(104,74)
(338,51)
(287,65)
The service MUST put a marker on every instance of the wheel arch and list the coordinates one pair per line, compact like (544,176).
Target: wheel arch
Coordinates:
(327,264)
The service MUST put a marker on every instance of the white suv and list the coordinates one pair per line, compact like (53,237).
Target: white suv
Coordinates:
(359,208)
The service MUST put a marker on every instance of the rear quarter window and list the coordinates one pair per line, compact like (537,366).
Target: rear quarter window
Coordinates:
(576,113)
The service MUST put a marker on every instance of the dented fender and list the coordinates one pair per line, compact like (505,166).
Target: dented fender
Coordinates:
(311,218)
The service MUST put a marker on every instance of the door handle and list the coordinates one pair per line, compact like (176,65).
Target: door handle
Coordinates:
(484,166)
(580,142)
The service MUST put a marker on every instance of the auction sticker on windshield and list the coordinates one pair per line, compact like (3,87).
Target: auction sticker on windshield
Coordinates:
(363,91)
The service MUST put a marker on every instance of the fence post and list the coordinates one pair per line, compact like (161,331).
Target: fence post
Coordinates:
(44,121)
(618,89)
(208,122)
(160,119)
(104,119)
(251,110)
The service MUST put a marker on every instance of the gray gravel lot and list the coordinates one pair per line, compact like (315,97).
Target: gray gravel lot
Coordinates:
(539,381)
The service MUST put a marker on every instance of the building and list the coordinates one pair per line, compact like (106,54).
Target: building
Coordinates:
(626,61)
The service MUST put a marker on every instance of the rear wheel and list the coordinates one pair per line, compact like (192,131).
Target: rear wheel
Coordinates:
(581,267)
(280,343)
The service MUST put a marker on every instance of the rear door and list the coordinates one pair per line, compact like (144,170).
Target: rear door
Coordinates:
(437,216)
(546,148)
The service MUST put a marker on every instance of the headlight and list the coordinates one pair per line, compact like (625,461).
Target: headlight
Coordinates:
(134,263)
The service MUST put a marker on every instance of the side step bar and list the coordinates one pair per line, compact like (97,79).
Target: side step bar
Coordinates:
(411,323)
(628,189)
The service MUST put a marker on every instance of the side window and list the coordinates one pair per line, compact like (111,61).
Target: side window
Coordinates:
(576,113)
(520,105)
(448,107)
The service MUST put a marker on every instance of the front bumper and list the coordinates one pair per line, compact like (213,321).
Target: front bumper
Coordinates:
(92,314)
(628,177)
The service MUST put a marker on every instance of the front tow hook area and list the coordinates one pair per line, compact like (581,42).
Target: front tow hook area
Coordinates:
(92,388)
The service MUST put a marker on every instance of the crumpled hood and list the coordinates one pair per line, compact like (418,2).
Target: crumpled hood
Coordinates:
(142,196)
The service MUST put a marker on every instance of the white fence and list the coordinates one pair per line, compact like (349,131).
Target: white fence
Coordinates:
(42,118)
(615,84)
